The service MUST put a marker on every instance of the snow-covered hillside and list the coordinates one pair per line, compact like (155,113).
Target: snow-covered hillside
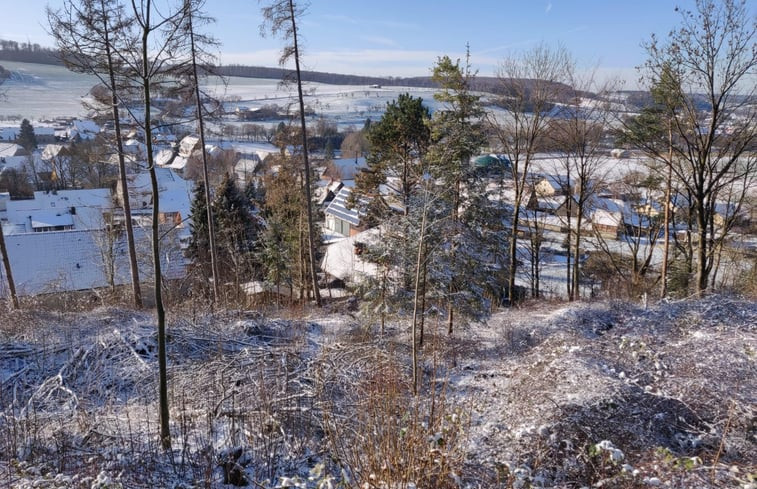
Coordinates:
(549,395)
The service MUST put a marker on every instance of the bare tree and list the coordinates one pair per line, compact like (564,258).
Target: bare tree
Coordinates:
(530,83)
(201,128)
(578,134)
(155,58)
(652,131)
(281,18)
(88,33)
(712,53)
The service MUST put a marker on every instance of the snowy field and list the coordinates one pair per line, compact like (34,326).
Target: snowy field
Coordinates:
(42,91)
(604,394)
(38,92)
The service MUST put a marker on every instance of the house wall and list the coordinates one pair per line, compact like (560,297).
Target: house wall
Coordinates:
(606,231)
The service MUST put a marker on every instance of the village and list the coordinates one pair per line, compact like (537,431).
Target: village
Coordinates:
(623,214)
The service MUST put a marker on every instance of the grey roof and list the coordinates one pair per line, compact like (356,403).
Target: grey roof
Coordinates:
(338,207)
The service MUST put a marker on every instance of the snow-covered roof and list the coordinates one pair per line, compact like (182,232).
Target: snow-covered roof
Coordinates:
(12,162)
(347,168)
(338,207)
(9,133)
(73,260)
(340,260)
(615,212)
(45,219)
(134,146)
(175,192)
(12,149)
(83,129)
(81,209)
(552,202)
(260,149)
(246,166)
(164,157)
(187,145)
(51,151)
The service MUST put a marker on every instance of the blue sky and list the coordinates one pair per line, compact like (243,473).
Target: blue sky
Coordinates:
(404,38)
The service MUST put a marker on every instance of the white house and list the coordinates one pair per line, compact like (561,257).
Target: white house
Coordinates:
(175,198)
(12,149)
(342,259)
(56,211)
(83,130)
(340,218)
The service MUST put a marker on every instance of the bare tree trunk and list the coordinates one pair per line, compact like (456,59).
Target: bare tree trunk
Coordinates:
(702,247)
(209,206)
(308,197)
(575,290)
(416,299)
(125,203)
(455,226)
(423,296)
(568,255)
(165,430)
(8,271)
(666,219)
(513,253)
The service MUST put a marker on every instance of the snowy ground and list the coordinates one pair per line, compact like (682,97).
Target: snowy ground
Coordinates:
(549,395)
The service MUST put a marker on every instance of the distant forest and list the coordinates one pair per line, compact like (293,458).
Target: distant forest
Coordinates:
(26,52)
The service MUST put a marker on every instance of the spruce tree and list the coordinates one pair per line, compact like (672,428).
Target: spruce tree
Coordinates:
(198,244)
(457,136)
(26,137)
(238,230)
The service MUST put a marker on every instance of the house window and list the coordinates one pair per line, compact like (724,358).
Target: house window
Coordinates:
(342,227)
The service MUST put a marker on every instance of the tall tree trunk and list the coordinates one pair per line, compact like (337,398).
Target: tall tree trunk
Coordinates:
(666,218)
(702,275)
(308,197)
(455,227)
(575,290)
(8,271)
(513,252)
(125,202)
(209,206)
(165,430)
(416,299)
(569,255)
(423,296)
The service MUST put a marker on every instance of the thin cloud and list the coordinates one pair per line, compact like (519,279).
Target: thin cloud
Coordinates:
(578,28)
(506,47)
(346,19)
(548,8)
(381,41)
(389,24)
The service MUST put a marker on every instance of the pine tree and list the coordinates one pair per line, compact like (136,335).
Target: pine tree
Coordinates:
(457,136)
(26,137)
(399,142)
